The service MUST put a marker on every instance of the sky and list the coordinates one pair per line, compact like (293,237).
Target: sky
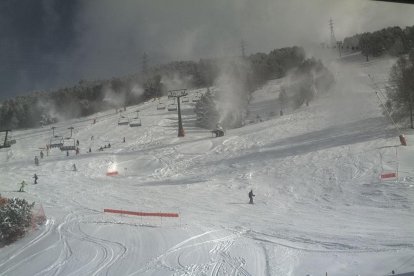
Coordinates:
(50,44)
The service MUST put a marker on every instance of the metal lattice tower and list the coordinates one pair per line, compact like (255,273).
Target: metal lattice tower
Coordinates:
(333,39)
(144,63)
(243,48)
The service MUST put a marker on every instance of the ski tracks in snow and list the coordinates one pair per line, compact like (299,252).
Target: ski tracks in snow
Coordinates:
(217,260)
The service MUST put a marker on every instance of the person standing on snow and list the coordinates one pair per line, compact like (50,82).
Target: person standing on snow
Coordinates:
(22,186)
(251,195)
(74,168)
(35,178)
(41,154)
(36,160)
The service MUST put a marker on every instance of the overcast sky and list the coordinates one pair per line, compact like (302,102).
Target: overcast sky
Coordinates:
(47,44)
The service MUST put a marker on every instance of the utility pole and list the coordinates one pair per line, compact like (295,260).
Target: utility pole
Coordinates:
(144,63)
(178,94)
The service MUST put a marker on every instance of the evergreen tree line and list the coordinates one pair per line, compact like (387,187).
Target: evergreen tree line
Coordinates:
(392,41)
(89,97)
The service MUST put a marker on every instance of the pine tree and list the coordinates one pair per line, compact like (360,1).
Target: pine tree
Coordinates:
(15,217)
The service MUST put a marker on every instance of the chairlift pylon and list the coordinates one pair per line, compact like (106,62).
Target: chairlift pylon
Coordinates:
(7,142)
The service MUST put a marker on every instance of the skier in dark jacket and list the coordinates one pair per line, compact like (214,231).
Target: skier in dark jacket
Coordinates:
(251,195)
(35,178)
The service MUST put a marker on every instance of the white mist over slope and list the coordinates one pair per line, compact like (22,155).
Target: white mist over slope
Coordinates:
(319,206)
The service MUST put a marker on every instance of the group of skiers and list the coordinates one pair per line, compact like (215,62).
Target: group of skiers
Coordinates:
(105,147)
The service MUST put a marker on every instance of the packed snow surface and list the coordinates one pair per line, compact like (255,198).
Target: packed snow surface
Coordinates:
(320,205)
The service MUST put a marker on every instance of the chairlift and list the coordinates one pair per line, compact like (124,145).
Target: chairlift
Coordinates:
(136,122)
(185,99)
(172,107)
(56,142)
(160,106)
(68,144)
(196,99)
(123,121)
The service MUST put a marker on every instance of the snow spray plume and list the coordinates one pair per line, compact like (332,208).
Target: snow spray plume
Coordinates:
(51,113)
(114,98)
(232,92)
(136,90)
(176,81)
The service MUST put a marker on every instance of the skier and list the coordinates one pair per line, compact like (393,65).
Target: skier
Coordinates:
(90,150)
(109,145)
(74,168)
(77,151)
(77,143)
(22,186)
(124,139)
(35,178)
(36,160)
(41,154)
(251,195)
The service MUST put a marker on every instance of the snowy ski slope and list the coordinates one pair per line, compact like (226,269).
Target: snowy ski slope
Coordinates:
(319,206)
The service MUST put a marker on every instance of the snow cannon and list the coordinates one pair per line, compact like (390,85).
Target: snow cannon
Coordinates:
(112,170)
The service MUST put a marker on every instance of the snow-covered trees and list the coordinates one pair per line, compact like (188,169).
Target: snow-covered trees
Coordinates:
(400,92)
(309,79)
(15,217)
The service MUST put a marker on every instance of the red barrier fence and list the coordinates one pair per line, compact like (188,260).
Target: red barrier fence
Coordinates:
(388,175)
(142,214)
(112,173)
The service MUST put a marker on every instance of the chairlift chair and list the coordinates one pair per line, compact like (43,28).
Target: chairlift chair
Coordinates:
(56,142)
(196,99)
(123,121)
(136,122)
(68,144)
(160,106)
(172,107)
(185,99)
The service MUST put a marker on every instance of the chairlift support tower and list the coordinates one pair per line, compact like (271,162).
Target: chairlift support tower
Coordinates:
(5,143)
(71,129)
(178,94)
